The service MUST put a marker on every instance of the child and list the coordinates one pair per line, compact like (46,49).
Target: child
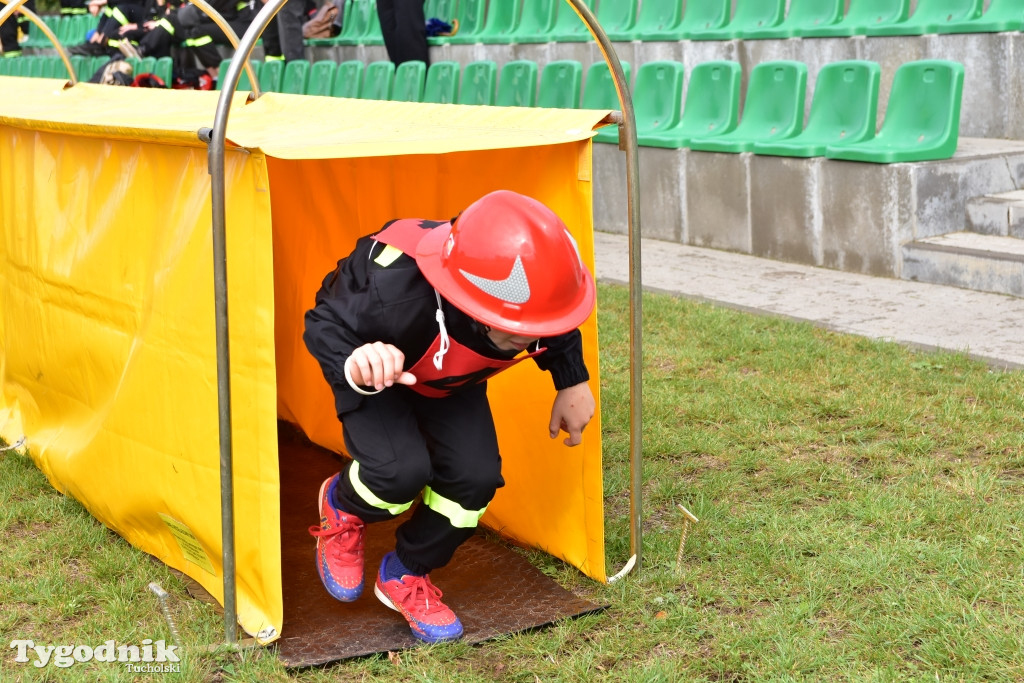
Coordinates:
(407,329)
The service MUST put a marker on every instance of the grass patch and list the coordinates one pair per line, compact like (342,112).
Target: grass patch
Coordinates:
(860,520)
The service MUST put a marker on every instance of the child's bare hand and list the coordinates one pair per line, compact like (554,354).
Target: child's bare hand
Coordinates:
(378,365)
(573,409)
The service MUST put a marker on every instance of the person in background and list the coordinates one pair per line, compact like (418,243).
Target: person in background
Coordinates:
(404,27)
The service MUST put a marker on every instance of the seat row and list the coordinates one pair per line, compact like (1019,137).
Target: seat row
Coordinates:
(51,66)
(541,21)
(922,117)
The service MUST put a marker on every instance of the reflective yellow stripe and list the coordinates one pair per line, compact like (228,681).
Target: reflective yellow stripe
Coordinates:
(386,257)
(168,26)
(460,517)
(198,42)
(368,495)
(273,58)
(119,15)
(106,11)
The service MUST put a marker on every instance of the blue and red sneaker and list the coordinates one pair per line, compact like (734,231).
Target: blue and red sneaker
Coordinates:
(339,547)
(419,601)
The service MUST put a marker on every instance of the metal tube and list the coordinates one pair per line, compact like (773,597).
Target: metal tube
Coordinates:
(13,6)
(628,143)
(217,139)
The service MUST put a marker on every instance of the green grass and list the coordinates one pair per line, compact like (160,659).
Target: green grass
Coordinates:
(860,519)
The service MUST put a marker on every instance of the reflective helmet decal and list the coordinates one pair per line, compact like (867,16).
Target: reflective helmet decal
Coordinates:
(514,289)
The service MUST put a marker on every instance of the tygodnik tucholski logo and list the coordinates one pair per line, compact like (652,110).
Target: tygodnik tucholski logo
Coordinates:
(149,657)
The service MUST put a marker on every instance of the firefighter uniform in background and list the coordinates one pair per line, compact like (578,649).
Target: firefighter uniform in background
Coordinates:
(9,42)
(437,291)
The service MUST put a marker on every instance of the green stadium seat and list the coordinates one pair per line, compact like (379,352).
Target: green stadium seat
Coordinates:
(536,21)
(517,84)
(569,28)
(658,20)
(271,75)
(709,15)
(472,14)
(147,65)
(922,119)
(6,65)
(479,83)
(77,63)
(378,80)
(164,70)
(374,35)
(748,15)
(357,26)
(860,15)
(802,14)
(321,77)
(1001,15)
(657,98)
(599,93)
(561,83)
(617,18)
(410,78)
(36,66)
(442,86)
(243,78)
(843,111)
(929,16)
(773,110)
(134,63)
(445,10)
(348,79)
(711,106)
(501,22)
(17,66)
(98,62)
(296,76)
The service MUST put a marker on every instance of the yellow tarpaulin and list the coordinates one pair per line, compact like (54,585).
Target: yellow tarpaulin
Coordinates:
(107,332)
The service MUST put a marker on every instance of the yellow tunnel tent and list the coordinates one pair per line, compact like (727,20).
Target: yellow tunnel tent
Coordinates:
(107,331)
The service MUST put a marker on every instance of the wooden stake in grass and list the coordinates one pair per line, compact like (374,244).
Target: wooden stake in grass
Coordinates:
(688,517)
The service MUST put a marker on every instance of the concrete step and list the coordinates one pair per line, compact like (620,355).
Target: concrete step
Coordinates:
(985,263)
(997,214)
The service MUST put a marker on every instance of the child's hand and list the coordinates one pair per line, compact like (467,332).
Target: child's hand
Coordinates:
(572,411)
(378,365)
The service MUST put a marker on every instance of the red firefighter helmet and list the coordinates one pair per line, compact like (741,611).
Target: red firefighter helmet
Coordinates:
(509,262)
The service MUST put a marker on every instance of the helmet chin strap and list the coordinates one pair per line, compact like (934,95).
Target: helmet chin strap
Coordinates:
(445,343)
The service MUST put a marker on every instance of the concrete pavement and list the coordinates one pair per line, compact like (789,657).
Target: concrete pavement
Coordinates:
(988,327)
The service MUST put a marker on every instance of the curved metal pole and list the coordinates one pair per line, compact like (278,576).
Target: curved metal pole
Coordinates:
(216,140)
(13,6)
(232,38)
(628,143)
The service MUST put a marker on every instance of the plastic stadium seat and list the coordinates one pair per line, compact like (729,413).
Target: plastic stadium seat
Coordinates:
(749,15)
(774,108)
(561,83)
(501,22)
(374,34)
(658,20)
(802,15)
(348,79)
(657,97)
(536,22)
(147,65)
(1001,15)
(479,82)
(165,67)
(599,93)
(321,77)
(409,80)
(6,66)
(860,15)
(271,75)
(296,76)
(711,106)
(378,80)
(617,18)
(569,28)
(358,22)
(843,111)
(78,63)
(450,11)
(922,119)
(442,86)
(472,14)
(517,84)
(929,16)
(36,67)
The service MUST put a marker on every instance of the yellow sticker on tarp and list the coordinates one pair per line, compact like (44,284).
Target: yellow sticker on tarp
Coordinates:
(190,546)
